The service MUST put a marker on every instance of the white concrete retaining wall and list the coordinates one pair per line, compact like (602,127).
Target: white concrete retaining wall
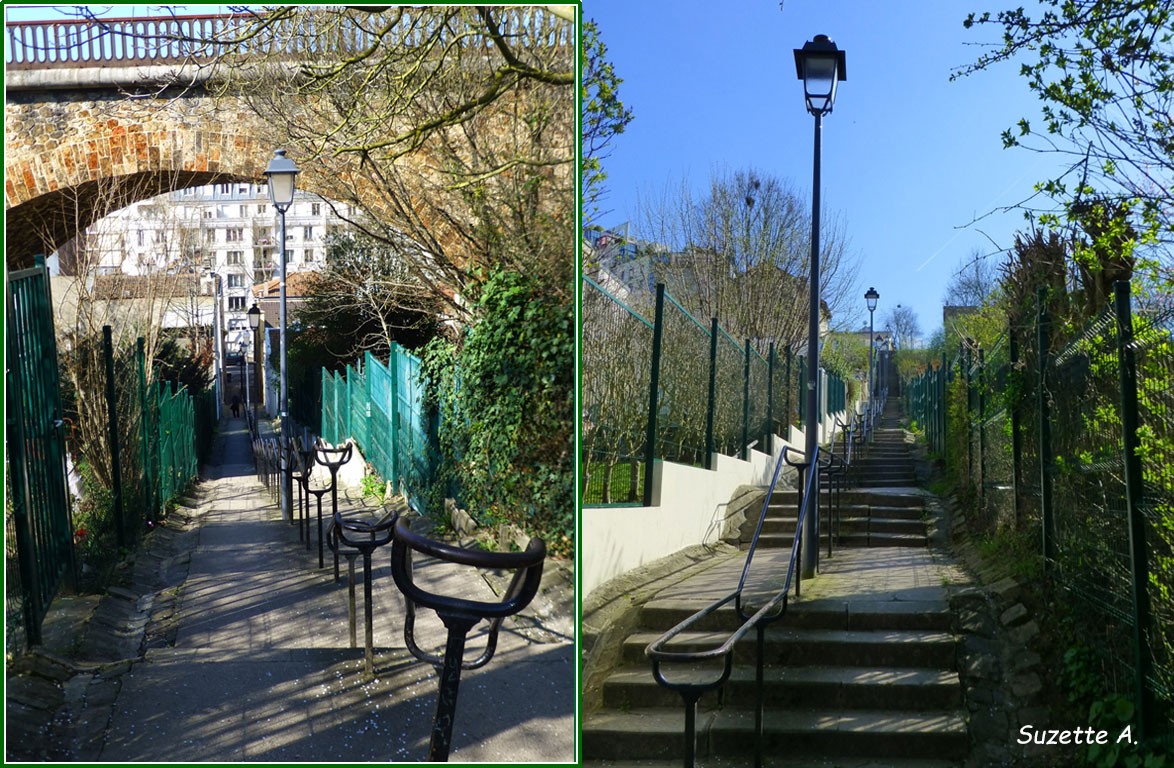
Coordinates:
(689,507)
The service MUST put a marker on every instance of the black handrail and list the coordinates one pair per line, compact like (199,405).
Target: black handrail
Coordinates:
(770,611)
(836,469)
(363,537)
(459,614)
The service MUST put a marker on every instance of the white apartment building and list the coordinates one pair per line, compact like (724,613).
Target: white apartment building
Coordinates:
(225,233)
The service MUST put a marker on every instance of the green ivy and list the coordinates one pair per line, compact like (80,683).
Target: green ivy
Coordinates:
(504,394)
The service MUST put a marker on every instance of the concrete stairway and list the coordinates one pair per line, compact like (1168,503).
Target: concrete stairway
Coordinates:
(860,671)
(863,518)
(848,678)
(886,461)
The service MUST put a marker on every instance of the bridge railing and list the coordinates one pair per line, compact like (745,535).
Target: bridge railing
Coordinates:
(178,39)
(89,43)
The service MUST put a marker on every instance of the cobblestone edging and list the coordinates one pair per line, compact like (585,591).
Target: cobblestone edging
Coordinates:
(1000,672)
(58,707)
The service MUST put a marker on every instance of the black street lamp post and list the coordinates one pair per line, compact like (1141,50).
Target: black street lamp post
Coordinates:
(281,174)
(254,314)
(871,298)
(821,66)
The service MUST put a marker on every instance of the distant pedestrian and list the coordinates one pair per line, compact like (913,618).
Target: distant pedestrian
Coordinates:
(236,406)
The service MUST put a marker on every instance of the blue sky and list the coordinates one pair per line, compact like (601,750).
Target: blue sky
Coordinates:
(909,158)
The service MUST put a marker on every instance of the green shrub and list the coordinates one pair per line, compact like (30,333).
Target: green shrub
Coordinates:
(505,397)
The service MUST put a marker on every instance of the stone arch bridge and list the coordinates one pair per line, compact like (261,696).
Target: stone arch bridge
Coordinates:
(78,146)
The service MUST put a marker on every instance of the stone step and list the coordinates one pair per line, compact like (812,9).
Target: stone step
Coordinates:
(857,496)
(782,760)
(797,688)
(849,524)
(882,465)
(820,613)
(785,540)
(844,511)
(797,647)
(658,733)
(909,481)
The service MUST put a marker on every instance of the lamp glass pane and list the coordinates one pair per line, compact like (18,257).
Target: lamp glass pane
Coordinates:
(819,81)
(281,188)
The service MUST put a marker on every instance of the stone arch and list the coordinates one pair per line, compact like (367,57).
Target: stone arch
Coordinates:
(70,163)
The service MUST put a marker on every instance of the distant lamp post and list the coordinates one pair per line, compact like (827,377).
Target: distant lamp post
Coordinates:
(281,174)
(821,66)
(254,314)
(872,297)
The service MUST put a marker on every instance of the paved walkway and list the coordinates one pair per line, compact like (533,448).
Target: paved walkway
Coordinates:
(261,667)
(873,574)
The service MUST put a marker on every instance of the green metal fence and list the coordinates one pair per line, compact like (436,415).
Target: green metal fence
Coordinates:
(39,541)
(381,407)
(671,388)
(614,417)
(1075,437)
(153,457)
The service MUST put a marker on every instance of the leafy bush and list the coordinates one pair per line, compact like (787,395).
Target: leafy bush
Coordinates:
(505,398)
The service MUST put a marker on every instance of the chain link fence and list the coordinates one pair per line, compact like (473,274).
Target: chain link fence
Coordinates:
(655,375)
(1075,438)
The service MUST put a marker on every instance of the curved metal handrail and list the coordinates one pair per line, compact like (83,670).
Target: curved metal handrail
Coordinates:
(459,614)
(365,536)
(770,611)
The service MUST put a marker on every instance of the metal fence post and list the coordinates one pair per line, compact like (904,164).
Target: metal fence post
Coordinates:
(802,378)
(745,452)
(653,395)
(1046,460)
(396,478)
(787,397)
(711,413)
(943,386)
(1016,438)
(1138,551)
(968,362)
(112,420)
(148,495)
(770,400)
(982,429)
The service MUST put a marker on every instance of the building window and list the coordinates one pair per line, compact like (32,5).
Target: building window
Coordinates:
(244,211)
(207,213)
(308,233)
(209,235)
(236,281)
(309,256)
(235,258)
(224,188)
(236,303)
(234,235)
(288,255)
(316,209)
(141,237)
(260,208)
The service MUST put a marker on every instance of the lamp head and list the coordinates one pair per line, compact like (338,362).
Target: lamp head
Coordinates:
(281,174)
(871,297)
(254,314)
(821,66)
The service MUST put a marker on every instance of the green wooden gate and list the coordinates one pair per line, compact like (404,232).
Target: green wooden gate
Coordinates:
(40,513)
